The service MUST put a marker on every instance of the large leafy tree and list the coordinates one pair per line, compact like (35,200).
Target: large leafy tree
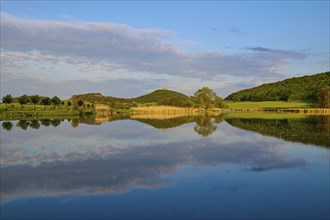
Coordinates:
(46,101)
(207,98)
(23,100)
(56,100)
(35,100)
(7,99)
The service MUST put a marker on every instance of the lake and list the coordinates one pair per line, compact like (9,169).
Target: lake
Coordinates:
(234,166)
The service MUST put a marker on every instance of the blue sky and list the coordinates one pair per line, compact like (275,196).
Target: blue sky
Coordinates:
(128,48)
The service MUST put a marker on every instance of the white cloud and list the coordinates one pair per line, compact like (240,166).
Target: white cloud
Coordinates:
(95,52)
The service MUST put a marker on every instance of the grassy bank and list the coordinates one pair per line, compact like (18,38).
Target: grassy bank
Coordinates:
(15,111)
(269,104)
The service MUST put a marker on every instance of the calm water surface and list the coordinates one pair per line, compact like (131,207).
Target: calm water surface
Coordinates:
(184,168)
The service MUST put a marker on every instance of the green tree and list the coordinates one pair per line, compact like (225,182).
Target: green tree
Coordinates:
(23,100)
(46,101)
(56,100)
(35,100)
(206,98)
(7,125)
(219,102)
(7,99)
(323,98)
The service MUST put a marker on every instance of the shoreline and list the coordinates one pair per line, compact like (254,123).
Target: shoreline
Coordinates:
(154,112)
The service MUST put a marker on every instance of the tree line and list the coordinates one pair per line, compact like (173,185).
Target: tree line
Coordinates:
(203,98)
(311,88)
(42,100)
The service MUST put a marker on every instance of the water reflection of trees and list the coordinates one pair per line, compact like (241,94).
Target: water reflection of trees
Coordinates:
(23,124)
(33,124)
(309,130)
(7,125)
(206,125)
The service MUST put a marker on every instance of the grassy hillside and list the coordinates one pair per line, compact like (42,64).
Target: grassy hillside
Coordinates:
(164,97)
(99,98)
(297,88)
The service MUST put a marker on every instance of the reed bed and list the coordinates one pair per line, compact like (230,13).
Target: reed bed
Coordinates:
(164,111)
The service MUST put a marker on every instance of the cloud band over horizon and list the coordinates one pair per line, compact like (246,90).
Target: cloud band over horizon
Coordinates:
(79,57)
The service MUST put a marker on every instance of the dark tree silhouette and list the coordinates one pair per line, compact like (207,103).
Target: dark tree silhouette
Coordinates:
(56,122)
(23,100)
(23,124)
(46,101)
(7,125)
(80,103)
(45,122)
(35,100)
(35,124)
(56,100)
(7,99)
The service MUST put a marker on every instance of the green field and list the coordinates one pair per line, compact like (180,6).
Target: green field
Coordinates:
(268,104)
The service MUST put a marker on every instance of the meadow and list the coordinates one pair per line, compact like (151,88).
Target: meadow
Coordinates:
(268,104)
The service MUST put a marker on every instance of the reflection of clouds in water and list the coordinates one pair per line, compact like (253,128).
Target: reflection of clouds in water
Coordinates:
(120,156)
(90,142)
(71,145)
(139,167)
(283,165)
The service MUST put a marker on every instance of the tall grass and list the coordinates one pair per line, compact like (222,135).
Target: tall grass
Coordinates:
(164,110)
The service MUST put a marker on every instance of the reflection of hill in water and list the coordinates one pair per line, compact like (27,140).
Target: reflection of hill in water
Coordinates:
(205,125)
(311,130)
(166,123)
(160,122)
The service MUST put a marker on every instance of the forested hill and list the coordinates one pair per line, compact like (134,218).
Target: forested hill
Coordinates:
(297,88)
